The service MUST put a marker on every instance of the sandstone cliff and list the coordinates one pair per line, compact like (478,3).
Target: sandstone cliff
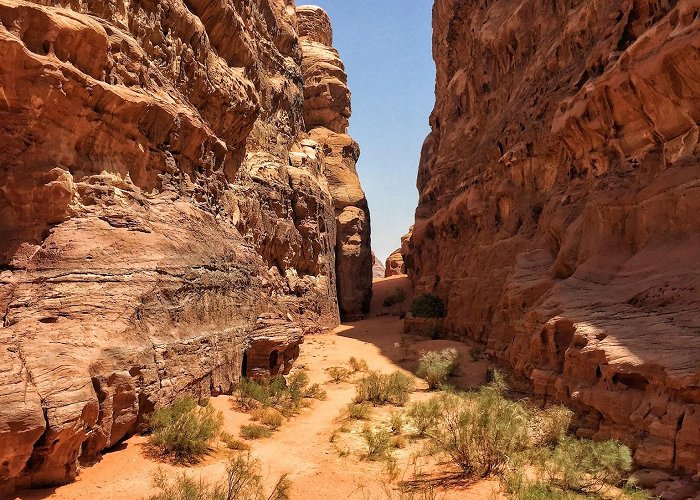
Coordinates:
(165,222)
(326,113)
(378,270)
(559,213)
(395,263)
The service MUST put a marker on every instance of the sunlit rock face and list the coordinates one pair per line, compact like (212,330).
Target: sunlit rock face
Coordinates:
(559,213)
(326,114)
(378,270)
(395,263)
(164,216)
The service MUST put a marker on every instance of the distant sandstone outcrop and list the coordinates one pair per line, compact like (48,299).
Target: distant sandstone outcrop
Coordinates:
(395,263)
(559,213)
(167,223)
(326,113)
(378,270)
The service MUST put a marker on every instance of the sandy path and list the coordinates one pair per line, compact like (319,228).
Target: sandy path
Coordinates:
(302,447)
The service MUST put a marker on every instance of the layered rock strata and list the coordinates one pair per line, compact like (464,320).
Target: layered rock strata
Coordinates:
(326,114)
(165,222)
(559,213)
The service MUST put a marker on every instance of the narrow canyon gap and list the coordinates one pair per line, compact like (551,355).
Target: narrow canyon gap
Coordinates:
(179,207)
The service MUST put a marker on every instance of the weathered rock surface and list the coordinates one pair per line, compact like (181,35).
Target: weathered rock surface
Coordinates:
(559,212)
(165,222)
(395,263)
(326,114)
(378,270)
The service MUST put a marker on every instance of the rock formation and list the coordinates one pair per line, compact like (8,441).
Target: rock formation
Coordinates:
(165,222)
(395,263)
(378,270)
(326,114)
(559,213)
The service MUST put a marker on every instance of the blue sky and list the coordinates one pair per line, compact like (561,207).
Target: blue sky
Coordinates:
(386,46)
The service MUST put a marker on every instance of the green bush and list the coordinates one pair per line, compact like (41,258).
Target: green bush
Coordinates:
(287,396)
(396,422)
(436,366)
(584,465)
(242,482)
(397,297)
(428,305)
(269,417)
(378,443)
(297,384)
(338,373)
(549,425)
(574,469)
(315,391)
(234,444)
(479,431)
(358,365)
(252,393)
(255,431)
(541,491)
(424,415)
(359,411)
(185,429)
(380,389)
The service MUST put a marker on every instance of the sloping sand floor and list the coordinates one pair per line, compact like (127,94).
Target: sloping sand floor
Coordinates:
(302,448)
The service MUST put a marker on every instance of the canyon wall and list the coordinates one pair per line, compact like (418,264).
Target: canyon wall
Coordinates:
(166,221)
(559,213)
(326,113)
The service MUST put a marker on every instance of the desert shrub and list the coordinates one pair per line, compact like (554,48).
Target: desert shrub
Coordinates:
(252,393)
(584,465)
(234,444)
(269,417)
(396,422)
(379,388)
(315,391)
(398,441)
(183,487)
(378,443)
(479,431)
(424,415)
(297,384)
(404,490)
(630,491)
(397,297)
(338,373)
(541,491)
(549,425)
(185,429)
(428,305)
(287,396)
(358,365)
(255,431)
(359,411)
(242,482)
(436,366)
(399,388)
